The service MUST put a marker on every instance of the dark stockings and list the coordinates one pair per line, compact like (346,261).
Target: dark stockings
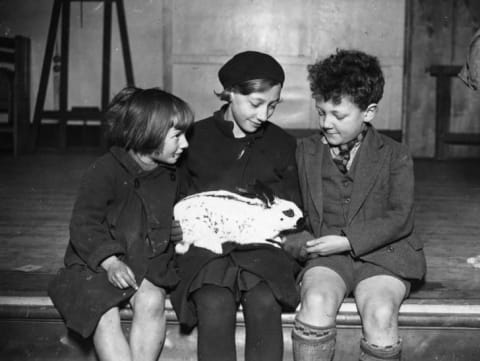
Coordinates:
(216,310)
(263,319)
(216,323)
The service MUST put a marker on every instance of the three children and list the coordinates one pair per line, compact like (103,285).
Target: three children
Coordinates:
(357,188)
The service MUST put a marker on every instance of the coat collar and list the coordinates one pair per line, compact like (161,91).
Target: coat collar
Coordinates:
(370,160)
(131,166)
(226,126)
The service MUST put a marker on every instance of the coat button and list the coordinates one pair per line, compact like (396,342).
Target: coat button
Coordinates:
(389,249)
(173,177)
(347,200)
(136,183)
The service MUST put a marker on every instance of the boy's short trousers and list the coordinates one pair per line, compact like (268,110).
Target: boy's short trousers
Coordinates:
(352,271)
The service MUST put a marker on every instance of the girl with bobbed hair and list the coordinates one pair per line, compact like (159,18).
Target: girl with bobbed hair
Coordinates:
(120,251)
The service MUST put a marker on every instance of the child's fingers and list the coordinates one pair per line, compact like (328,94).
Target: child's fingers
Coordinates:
(119,280)
(123,277)
(317,248)
(311,249)
(130,278)
(312,242)
(123,283)
(113,280)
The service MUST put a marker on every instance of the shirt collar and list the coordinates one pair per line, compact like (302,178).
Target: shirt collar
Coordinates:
(355,142)
(226,126)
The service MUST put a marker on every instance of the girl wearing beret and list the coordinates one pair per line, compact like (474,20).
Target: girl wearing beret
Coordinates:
(233,149)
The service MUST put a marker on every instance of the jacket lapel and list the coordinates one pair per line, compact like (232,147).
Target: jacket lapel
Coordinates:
(314,149)
(371,159)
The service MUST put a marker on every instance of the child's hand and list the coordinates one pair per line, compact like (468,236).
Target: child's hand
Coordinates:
(328,245)
(118,273)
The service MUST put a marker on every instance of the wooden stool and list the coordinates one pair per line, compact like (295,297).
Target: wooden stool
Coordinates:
(443,135)
(63,114)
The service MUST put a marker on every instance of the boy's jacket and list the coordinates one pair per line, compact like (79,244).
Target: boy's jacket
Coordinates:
(380,220)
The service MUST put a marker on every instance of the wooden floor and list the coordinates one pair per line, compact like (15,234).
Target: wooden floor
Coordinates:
(37,192)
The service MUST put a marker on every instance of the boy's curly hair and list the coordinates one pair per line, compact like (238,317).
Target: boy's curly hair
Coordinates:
(350,73)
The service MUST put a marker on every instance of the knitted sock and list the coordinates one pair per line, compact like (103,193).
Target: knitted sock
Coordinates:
(370,352)
(311,343)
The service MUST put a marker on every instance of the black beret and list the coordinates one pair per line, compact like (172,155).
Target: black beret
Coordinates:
(250,65)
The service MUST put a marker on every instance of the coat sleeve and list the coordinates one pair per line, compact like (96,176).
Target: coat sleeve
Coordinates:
(303,184)
(184,182)
(295,242)
(382,225)
(89,229)
(284,165)
(290,177)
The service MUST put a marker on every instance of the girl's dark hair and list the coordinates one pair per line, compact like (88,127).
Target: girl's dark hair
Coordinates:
(247,87)
(139,119)
(349,73)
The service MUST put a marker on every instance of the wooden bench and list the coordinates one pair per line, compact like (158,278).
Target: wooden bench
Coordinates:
(31,329)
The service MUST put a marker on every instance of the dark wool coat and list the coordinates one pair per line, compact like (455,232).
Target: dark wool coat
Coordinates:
(216,160)
(120,210)
(380,221)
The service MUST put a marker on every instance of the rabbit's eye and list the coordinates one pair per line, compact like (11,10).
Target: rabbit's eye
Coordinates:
(289,213)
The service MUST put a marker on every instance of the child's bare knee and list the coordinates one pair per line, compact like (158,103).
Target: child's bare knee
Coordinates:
(109,319)
(380,316)
(151,301)
(319,305)
(316,298)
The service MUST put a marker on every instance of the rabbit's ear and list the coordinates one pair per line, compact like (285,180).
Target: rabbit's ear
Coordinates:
(264,192)
(249,193)
(258,190)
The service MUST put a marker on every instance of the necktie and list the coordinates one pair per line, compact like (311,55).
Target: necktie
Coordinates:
(342,155)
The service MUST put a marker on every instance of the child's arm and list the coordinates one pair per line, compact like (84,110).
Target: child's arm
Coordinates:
(290,179)
(284,166)
(89,230)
